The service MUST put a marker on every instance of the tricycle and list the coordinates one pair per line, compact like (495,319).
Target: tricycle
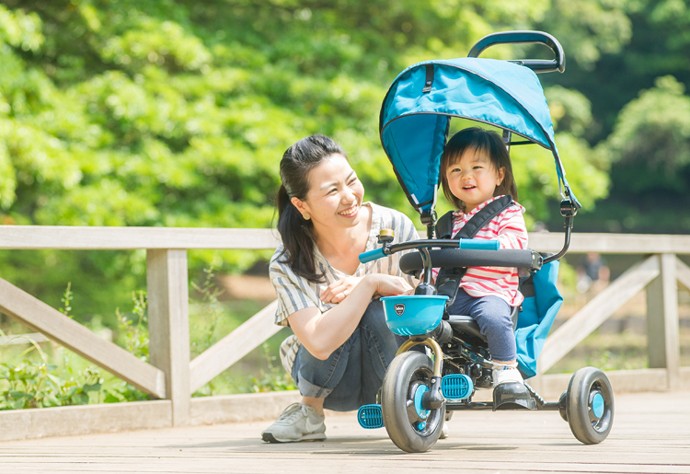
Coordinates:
(444,359)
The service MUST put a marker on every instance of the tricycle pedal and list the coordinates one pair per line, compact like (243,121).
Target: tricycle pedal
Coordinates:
(456,386)
(370,416)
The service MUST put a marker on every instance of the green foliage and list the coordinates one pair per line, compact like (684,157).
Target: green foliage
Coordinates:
(588,29)
(32,383)
(132,331)
(272,378)
(38,378)
(66,301)
(653,131)
(176,112)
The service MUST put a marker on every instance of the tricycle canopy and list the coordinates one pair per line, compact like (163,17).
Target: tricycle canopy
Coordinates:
(418,108)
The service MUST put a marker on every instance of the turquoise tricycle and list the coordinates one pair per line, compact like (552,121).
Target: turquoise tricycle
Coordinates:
(445,359)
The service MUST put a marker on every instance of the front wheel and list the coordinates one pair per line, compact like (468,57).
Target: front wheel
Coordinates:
(411,425)
(589,405)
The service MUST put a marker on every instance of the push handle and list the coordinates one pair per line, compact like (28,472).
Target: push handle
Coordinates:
(525,37)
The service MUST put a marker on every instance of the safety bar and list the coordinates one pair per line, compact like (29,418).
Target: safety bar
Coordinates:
(412,263)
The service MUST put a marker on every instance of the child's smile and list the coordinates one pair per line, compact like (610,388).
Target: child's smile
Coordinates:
(473,178)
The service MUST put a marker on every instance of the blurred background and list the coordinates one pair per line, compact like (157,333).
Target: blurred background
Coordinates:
(176,113)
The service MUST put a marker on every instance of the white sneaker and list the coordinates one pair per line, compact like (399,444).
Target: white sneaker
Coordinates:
(298,422)
(444,430)
(506,374)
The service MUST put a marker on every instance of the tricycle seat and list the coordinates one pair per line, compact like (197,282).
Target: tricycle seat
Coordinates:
(465,325)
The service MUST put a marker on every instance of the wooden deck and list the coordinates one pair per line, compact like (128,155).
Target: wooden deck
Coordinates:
(651,434)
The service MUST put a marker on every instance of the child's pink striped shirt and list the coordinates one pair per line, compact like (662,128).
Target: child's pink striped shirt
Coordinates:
(508,227)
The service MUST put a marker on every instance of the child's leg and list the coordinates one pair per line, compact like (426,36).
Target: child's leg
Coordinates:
(493,315)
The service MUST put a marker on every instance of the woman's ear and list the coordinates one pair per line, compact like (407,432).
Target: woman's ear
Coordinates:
(301,207)
(298,203)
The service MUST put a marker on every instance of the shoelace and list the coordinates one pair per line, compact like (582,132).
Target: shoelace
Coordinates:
(291,412)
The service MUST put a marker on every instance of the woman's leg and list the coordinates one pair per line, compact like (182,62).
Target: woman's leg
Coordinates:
(316,380)
(379,347)
(370,350)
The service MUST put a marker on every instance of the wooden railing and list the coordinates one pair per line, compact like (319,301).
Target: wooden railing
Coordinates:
(172,377)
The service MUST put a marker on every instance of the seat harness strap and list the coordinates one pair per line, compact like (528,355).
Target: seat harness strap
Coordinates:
(448,279)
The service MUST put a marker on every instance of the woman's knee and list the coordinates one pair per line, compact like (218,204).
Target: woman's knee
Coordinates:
(373,316)
(320,373)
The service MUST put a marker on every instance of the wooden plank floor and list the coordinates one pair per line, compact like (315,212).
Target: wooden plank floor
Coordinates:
(651,434)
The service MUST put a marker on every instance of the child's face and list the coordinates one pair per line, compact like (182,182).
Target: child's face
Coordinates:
(473,178)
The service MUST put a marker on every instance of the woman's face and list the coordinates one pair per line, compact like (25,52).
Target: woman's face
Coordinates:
(335,194)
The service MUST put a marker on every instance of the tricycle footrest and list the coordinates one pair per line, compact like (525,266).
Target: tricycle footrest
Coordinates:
(456,386)
(370,416)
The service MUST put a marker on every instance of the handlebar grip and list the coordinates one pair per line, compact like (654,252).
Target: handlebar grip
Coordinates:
(478,244)
(371,255)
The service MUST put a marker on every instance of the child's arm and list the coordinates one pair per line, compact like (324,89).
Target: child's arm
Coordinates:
(512,232)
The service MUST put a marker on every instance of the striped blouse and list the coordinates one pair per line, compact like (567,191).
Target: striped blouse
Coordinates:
(296,293)
(508,227)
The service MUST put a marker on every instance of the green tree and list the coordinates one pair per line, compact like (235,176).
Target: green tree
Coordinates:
(176,113)
(650,146)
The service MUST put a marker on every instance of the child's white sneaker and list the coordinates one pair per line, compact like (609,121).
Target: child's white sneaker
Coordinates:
(506,374)
(510,390)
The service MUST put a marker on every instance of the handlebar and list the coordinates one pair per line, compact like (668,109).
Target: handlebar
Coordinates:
(525,37)
(465,244)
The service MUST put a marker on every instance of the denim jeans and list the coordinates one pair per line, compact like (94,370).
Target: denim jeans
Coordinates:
(493,315)
(353,373)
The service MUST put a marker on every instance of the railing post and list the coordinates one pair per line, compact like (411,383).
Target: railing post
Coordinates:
(663,343)
(168,309)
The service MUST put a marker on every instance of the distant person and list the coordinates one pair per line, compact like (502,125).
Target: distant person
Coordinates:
(325,295)
(592,273)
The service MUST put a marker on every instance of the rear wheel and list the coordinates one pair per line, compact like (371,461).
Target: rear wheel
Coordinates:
(411,425)
(589,405)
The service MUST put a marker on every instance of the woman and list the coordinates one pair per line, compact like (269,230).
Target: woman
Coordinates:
(325,294)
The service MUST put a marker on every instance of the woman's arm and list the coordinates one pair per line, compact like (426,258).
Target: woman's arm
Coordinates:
(322,333)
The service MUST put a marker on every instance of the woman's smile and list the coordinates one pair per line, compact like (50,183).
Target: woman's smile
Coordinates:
(350,211)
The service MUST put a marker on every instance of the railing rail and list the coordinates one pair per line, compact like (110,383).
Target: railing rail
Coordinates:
(171,376)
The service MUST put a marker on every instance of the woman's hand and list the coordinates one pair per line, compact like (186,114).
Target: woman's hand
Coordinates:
(322,333)
(389,285)
(339,290)
(385,285)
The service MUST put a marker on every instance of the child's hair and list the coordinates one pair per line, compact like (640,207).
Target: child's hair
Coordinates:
(487,141)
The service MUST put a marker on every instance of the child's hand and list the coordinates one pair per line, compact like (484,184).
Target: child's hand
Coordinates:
(339,290)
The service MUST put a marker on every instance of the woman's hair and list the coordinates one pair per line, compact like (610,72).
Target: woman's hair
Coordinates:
(295,231)
(478,139)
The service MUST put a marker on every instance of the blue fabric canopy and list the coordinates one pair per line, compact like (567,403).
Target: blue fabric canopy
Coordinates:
(416,113)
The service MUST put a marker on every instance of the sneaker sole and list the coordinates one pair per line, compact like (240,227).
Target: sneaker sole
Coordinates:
(269,438)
